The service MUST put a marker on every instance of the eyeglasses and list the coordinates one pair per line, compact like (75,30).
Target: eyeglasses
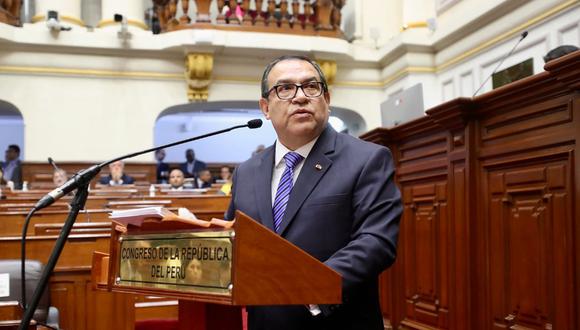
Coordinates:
(289,91)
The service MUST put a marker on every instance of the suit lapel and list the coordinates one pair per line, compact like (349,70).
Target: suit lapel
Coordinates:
(263,174)
(315,165)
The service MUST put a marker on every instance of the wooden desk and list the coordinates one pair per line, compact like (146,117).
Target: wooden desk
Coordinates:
(71,291)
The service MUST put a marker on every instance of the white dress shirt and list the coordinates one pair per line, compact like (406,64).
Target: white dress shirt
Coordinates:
(280,164)
(279,167)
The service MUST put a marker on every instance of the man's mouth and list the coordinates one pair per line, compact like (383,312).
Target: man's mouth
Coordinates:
(301,112)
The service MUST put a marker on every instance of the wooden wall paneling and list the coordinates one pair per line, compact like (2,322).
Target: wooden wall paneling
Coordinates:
(11,223)
(575,174)
(422,176)
(520,139)
(499,176)
(107,310)
(530,244)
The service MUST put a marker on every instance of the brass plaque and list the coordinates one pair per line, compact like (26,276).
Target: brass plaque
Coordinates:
(194,262)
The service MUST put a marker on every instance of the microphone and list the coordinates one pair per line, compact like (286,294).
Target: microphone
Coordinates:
(255,123)
(522,37)
(85,176)
(51,162)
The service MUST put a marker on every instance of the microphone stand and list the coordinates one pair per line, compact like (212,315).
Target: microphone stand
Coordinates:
(81,183)
(77,204)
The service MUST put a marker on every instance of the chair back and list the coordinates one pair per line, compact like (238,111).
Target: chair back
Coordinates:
(33,273)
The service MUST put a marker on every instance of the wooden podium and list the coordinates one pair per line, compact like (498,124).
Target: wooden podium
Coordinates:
(262,269)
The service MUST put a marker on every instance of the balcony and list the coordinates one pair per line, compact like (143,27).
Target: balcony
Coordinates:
(321,18)
(294,17)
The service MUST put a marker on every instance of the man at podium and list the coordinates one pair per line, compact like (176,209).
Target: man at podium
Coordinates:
(330,194)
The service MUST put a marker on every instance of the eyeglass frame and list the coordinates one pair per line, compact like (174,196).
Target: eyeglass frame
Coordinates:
(299,86)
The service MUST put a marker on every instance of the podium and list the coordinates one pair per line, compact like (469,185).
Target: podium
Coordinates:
(212,269)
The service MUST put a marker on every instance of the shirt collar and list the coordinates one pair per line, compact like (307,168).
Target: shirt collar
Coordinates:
(303,151)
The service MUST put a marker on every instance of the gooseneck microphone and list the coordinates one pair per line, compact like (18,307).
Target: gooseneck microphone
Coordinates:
(51,162)
(81,182)
(522,37)
(87,175)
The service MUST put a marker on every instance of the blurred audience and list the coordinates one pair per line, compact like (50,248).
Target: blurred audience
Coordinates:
(59,177)
(204,179)
(225,174)
(259,149)
(192,166)
(162,168)
(12,167)
(116,176)
(177,179)
(559,52)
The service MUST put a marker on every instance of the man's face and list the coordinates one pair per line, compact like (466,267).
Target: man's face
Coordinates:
(160,155)
(190,155)
(116,170)
(176,178)
(205,176)
(59,178)
(10,154)
(225,173)
(299,120)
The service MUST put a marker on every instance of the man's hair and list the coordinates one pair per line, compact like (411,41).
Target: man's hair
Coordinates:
(286,58)
(559,52)
(15,148)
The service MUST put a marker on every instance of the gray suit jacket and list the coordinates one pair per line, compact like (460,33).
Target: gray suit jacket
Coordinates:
(344,210)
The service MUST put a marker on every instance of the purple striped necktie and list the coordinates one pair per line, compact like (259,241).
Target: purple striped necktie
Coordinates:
(284,188)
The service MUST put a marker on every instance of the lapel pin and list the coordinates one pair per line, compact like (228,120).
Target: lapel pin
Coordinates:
(318,167)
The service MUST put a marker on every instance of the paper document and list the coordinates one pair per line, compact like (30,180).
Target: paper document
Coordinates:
(4,285)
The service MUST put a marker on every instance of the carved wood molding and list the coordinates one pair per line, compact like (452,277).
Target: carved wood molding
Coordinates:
(198,70)
(566,70)
(454,114)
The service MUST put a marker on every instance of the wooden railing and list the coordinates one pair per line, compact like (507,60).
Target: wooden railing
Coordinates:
(305,17)
(10,12)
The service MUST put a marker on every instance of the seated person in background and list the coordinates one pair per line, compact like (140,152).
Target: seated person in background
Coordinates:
(204,179)
(259,149)
(59,177)
(162,168)
(12,167)
(225,174)
(116,176)
(192,166)
(176,179)
(559,52)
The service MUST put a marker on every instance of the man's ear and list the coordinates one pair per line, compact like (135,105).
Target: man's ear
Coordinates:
(264,106)
(327,97)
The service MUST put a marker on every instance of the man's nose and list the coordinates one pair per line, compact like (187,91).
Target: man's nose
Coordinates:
(300,96)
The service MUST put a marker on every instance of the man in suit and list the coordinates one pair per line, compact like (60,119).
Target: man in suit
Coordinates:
(332,195)
(192,166)
(162,167)
(176,179)
(12,167)
(117,176)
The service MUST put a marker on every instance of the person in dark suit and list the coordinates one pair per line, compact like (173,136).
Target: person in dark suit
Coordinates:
(162,168)
(192,166)
(116,177)
(332,195)
(12,167)
(204,179)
